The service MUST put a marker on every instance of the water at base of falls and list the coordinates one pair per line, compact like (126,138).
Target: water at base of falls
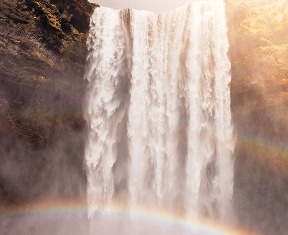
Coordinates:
(158,111)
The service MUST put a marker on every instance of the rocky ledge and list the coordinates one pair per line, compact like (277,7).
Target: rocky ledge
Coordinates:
(43,52)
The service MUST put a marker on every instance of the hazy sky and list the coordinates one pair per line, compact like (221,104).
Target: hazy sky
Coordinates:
(154,5)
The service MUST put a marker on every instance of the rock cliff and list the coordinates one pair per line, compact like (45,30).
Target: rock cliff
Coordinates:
(43,53)
(258,33)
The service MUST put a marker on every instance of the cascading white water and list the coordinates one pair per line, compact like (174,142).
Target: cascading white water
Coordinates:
(158,110)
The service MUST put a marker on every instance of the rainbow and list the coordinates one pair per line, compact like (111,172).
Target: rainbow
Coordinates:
(270,148)
(119,210)
(265,152)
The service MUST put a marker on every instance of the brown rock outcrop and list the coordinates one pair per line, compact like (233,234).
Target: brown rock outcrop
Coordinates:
(43,53)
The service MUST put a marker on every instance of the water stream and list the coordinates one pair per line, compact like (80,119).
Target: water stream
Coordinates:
(158,111)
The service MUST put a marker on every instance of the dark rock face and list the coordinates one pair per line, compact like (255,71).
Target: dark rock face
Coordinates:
(43,53)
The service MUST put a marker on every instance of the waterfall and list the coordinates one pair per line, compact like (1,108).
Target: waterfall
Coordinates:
(158,110)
